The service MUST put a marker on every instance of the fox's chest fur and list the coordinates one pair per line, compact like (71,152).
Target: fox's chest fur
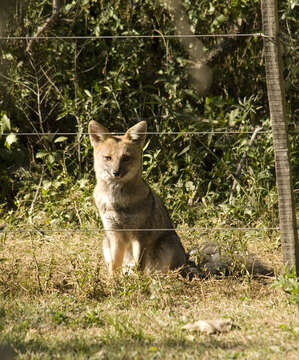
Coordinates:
(122,206)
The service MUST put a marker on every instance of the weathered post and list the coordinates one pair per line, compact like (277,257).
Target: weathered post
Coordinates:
(276,97)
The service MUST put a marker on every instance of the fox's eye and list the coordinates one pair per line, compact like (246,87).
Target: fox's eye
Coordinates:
(125,158)
(107,158)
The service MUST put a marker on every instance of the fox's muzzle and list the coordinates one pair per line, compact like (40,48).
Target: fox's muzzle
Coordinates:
(116,173)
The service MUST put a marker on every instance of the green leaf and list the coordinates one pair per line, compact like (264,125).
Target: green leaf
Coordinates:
(88,93)
(4,124)
(51,159)
(10,139)
(60,139)
(184,150)
(41,154)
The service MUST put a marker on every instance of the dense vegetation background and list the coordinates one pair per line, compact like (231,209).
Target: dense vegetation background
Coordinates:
(58,86)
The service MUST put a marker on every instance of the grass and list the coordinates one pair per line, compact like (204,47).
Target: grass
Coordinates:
(57,302)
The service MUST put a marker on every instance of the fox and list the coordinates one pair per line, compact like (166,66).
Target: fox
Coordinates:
(138,229)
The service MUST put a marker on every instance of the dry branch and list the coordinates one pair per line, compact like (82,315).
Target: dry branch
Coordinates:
(200,72)
(42,28)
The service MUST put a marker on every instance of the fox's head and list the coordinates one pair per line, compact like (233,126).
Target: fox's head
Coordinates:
(117,158)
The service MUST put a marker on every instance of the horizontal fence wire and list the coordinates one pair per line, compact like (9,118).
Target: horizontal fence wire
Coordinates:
(92,230)
(141,133)
(128,37)
(148,133)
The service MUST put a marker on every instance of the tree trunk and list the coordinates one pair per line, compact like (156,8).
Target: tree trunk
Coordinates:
(276,96)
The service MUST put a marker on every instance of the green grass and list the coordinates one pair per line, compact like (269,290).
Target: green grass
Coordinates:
(57,302)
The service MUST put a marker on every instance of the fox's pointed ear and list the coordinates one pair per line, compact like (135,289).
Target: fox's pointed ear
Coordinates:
(137,133)
(97,132)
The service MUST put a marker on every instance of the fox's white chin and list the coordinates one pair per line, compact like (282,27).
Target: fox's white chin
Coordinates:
(112,179)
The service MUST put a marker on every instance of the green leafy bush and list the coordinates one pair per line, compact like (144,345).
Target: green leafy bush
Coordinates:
(288,282)
(63,84)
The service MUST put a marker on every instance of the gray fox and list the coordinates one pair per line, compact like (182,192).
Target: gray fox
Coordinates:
(138,229)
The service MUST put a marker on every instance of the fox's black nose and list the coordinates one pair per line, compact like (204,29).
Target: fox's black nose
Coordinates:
(116,173)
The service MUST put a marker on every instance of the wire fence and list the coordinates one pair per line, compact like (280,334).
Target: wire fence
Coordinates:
(43,231)
(100,230)
(134,36)
(141,133)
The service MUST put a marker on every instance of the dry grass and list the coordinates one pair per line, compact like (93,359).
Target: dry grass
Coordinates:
(57,301)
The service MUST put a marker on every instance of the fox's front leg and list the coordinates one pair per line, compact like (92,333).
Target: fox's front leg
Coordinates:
(138,254)
(114,249)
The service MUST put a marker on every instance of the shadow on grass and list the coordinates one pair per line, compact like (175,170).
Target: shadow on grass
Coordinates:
(145,348)
(7,352)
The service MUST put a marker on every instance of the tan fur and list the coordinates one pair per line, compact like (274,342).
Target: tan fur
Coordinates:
(128,207)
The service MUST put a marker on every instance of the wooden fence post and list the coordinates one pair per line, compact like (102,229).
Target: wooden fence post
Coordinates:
(276,97)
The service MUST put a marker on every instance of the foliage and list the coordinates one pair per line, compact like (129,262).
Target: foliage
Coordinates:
(63,84)
(289,283)
(56,299)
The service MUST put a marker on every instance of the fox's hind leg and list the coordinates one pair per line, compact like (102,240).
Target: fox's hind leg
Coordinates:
(167,254)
